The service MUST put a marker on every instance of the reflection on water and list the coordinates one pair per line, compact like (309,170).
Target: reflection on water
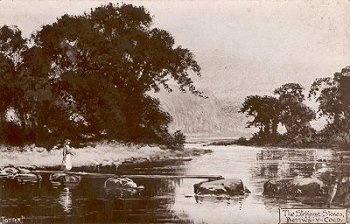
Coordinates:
(254,166)
(90,202)
(173,200)
(287,163)
(65,200)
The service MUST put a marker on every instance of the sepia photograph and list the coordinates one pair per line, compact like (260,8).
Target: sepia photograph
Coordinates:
(175,111)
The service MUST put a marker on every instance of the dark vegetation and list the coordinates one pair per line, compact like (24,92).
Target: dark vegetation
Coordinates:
(87,78)
(288,108)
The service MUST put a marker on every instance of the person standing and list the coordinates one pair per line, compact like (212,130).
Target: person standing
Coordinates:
(67,156)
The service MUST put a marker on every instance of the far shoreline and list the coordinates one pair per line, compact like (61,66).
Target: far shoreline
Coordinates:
(245,142)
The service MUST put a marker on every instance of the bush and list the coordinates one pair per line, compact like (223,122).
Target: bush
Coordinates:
(177,141)
(241,141)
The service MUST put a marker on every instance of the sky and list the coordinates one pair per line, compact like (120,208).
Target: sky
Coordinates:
(244,47)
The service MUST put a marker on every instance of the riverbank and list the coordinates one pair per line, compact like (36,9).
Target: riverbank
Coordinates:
(101,155)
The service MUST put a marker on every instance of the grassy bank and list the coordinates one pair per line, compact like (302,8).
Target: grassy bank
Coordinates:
(103,154)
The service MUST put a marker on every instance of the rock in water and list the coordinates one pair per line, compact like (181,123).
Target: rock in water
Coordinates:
(22,175)
(221,187)
(28,178)
(8,171)
(23,170)
(114,182)
(121,187)
(311,190)
(296,187)
(64,179)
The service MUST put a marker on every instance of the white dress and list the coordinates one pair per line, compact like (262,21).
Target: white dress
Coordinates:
(67,158)
(68,165)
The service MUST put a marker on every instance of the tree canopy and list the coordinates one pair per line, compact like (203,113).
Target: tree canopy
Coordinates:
(87,77)
(294,114)
(288,108)
(333,96)
(264,110)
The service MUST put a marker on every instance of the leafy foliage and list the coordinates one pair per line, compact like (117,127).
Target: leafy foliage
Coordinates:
(88,77)
(333,96)
(288,109)
(265,111)
(294,114)
(179,139)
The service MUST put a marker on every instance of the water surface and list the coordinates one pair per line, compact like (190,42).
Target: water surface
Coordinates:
(170,200)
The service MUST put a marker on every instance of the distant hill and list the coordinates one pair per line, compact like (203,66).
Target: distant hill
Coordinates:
(212,117)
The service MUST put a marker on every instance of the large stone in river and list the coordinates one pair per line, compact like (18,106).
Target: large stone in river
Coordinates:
(121,187)
(65,179)
(221,187)
(296,187)
(22,175)
(117,183)
(28,178)
(8,171)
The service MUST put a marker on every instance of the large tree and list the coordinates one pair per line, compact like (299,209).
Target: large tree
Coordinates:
(89,76)
(333,96)
(265,112)
(295,115)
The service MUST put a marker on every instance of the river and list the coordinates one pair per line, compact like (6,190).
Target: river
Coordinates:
(169,200)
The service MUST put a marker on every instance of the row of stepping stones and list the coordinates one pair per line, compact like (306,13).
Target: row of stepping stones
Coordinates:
(304,189)
(23,175)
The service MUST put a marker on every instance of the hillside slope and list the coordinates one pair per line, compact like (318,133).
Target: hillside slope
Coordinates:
(206,117)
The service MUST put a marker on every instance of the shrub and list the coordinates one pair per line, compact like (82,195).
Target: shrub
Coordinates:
(177,141)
